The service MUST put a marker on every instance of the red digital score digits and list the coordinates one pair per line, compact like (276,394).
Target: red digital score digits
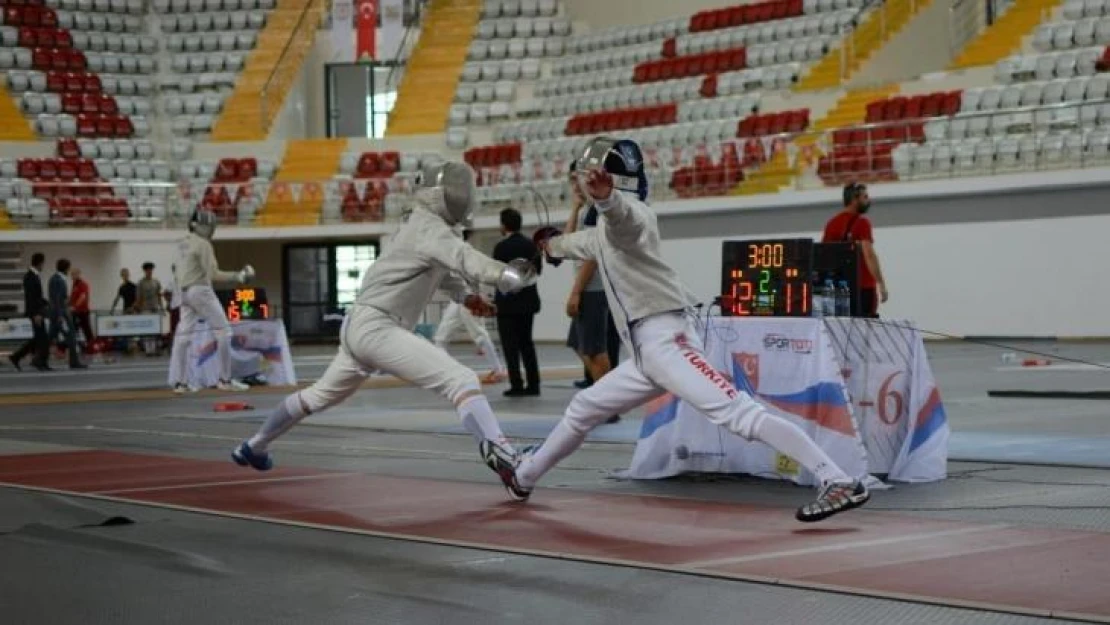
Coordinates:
(740,294)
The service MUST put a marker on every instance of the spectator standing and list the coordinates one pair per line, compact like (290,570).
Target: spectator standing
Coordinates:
(852,225)
(34,308)
(62,330)
(79,296)
(127,293)
(516,312)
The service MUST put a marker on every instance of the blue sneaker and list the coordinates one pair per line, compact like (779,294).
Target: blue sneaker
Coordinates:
(244,455)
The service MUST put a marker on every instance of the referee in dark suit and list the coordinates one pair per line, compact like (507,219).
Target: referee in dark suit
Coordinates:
(516,312)
(34,308)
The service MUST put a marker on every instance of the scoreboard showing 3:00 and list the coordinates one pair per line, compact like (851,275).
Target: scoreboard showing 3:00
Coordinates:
(768,278)
(244,303)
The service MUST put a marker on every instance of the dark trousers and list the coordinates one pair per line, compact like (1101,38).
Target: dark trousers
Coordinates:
(613,347)
(868,303)
(39,345)
(516,340)
(64,334)
(83,321)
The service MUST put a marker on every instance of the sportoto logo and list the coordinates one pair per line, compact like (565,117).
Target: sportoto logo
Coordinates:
(782,343)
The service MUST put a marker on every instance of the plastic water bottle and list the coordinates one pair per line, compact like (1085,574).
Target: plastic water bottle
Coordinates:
(818,309)
(843,300)
(829,298)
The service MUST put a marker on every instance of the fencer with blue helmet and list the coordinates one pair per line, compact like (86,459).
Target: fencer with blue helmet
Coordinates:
(424,255)
(649,304)
(194,272)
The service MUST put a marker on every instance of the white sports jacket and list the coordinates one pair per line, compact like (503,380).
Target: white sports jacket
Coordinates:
(638,282)
(424,255)
(196,263)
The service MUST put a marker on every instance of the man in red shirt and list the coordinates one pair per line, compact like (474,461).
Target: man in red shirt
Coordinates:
(851,224)
(79,302)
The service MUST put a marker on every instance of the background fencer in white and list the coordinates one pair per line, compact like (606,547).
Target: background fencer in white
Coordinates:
(194,272)
(657,327)
(456,316)
(425,255)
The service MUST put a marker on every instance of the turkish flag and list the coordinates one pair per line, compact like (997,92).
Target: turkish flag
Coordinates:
(367,26)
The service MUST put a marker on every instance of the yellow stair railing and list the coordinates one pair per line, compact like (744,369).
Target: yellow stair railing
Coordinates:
(432,73)
(260,91)
(1004,37)
(877,28)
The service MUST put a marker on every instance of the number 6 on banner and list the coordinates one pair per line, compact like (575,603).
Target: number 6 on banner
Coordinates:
(886,392)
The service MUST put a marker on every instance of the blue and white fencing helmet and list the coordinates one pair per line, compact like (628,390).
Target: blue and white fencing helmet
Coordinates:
(620,158)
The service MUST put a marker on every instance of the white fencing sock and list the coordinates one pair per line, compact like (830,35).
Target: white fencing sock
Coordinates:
(561,443)
(281,419)
(490,351)
(478,419)
(792,441)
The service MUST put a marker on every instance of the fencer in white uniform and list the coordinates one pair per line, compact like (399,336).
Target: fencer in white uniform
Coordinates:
(377,333)
(653,313)
(456,315)
(194,272)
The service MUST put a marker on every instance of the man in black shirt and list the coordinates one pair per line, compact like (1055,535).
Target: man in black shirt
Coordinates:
(34,308)
(128,293)
(516,312)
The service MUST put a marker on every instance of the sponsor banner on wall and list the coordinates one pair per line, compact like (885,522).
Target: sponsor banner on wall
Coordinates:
(129,325)
(342,31)
(393,28)
(15,329)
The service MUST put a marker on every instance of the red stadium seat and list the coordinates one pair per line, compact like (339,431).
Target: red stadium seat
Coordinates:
(86,170)
(90,103)
(67,148)
(106,104)
(71,103)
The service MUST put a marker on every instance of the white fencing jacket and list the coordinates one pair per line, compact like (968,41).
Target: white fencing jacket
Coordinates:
(638,282)
(196,263)
(424,255)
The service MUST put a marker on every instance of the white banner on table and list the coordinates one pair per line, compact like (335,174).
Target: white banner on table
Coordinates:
(129,325)
(16,329)
(790,365)
(257,347)
(895,397)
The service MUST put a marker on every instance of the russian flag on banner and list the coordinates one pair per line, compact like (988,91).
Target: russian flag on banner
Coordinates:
(823,403)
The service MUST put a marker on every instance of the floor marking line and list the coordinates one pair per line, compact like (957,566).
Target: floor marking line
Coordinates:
(678,570)
(289,478)
(160,392)
(876,542)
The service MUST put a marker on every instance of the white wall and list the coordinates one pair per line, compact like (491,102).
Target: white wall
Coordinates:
(1000,265)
